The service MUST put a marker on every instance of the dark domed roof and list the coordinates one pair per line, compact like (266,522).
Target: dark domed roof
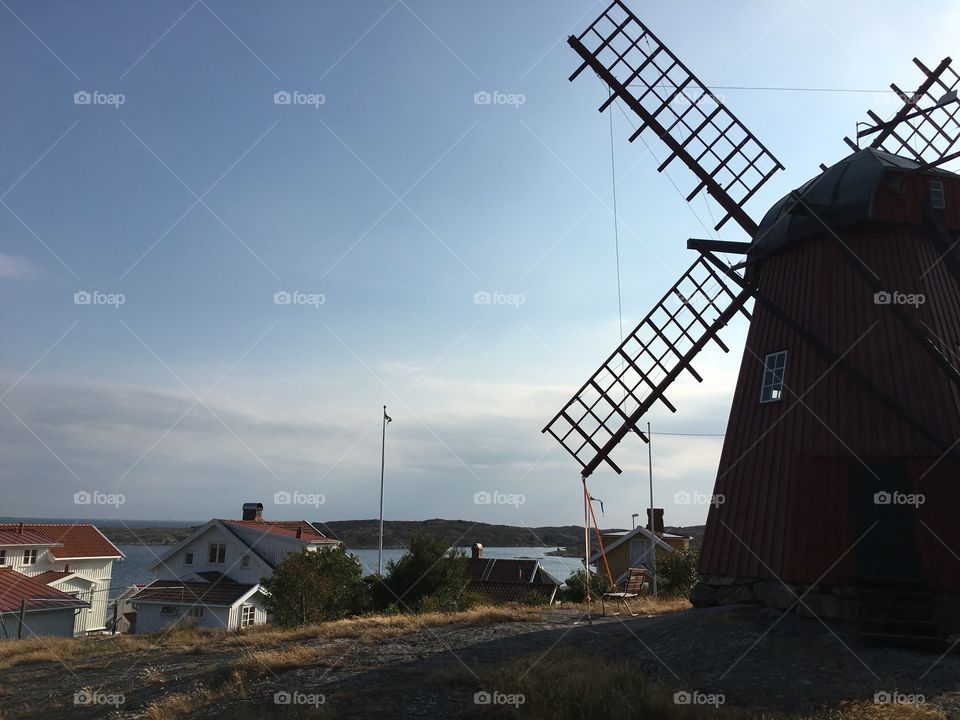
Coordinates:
(840,195)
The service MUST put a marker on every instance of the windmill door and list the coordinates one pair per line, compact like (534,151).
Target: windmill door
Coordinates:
(882,513)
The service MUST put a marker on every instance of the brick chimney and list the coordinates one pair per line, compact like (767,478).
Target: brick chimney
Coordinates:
(299,532)
(253,512)
(657,525)
(476,551)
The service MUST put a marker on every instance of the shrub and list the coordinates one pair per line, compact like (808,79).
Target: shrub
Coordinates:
(577,585)
(430,575)
(677,572)
(310,587)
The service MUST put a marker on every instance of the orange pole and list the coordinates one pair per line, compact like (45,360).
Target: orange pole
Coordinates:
(596,528)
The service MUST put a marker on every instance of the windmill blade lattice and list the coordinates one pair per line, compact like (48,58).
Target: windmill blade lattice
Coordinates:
(927,127)
(727,159)
(646,363)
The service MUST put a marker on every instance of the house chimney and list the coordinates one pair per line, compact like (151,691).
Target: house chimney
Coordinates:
(657,525)
(476,551)
(20,529)
(299,532)
(253,512)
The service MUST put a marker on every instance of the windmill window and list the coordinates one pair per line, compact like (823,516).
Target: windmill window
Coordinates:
(937,198)
(774,366)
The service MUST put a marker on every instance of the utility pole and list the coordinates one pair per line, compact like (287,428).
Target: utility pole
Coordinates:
(23,613)
(653,526)
(383,454)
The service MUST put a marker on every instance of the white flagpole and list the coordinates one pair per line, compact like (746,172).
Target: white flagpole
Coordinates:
(383,453)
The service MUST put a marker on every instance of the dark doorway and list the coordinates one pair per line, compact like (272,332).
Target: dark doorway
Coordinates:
(880,497)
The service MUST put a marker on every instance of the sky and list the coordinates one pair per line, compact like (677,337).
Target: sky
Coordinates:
(174,172)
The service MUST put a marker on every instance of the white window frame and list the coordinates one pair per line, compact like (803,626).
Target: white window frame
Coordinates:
(168,610)
(245,560)
(217,551)
(3,557)
(188,558)
(30,556)
(774,370)
(248,615)
(195,612)
(938,199)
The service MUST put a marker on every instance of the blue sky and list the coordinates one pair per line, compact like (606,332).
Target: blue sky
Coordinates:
(397,199)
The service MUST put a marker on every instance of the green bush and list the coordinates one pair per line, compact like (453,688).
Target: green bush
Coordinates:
(677,572)
(429,577)
(577,585)
(312,586)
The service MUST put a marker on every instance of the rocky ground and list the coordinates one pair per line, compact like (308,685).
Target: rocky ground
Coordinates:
(754,657)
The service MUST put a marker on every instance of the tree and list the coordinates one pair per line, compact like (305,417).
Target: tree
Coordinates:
(577,586)
(313,586)
(429,576)
(677,572)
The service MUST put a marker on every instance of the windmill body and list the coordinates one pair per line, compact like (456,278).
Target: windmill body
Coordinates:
(821,480)
(840,470)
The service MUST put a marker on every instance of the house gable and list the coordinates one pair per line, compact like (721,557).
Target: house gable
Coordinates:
(174,565)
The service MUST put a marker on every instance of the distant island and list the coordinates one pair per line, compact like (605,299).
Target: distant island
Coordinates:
(396,534)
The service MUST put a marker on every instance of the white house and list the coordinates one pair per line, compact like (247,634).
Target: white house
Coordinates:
(44,611)
(75,558)
(212,578)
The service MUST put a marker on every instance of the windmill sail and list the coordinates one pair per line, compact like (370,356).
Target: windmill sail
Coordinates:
(927,127)
(640,370)
(727,159)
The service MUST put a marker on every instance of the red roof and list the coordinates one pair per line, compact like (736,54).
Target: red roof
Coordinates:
(52,576)
(284,528)
(24,537)
(501,570)
(175,592)
(16,587)
(76,540)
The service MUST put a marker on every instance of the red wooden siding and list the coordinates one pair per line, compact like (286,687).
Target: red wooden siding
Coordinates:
(784,466)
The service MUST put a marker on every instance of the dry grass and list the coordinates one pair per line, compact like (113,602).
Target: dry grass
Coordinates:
(153,675)
(574,686)
(262,661)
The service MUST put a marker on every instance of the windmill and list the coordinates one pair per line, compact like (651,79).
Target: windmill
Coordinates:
(841,462)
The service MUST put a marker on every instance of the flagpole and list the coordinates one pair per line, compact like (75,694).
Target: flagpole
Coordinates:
(383,452)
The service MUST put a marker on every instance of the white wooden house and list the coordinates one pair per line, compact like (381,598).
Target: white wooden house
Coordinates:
(212,578)
(75,558)
(43,610)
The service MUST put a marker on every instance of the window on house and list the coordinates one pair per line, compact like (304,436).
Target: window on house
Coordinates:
(167,610)
(196,612)
(245,560)
(66,567)
(30,556)
(218,553)
(247,614)
(188,558)
(774,366)
(3,558)
(937,198)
